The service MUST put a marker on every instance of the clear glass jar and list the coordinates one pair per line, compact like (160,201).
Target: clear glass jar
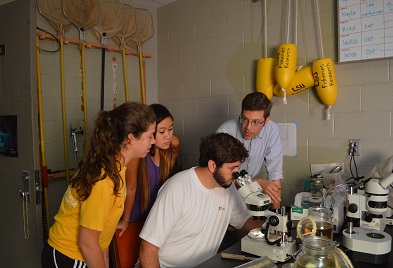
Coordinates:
(316,252)
(319,223)
(323,219)
(317,186)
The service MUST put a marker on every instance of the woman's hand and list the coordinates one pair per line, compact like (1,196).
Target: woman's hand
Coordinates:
(106,257)
(122,226)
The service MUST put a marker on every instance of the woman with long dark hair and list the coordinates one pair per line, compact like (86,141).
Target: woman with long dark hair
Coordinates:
(144,178)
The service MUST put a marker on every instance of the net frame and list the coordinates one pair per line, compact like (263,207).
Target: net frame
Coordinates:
(52,11)
(111,20)
(82,14)
(129,26)
(145,28)
(145,31)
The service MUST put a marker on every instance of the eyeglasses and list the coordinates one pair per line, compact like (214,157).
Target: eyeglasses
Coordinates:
(253,123)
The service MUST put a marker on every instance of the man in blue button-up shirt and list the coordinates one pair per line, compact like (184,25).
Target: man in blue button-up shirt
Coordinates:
(261,137)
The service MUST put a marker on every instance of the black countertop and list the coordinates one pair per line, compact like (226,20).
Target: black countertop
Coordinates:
(218,262)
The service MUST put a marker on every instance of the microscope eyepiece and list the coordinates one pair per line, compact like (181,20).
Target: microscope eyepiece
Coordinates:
(236,175)
(243,172)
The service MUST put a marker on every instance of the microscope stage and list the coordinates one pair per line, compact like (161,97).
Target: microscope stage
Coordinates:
(260,248)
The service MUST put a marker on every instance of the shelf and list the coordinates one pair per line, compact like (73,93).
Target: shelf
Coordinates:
(74,41)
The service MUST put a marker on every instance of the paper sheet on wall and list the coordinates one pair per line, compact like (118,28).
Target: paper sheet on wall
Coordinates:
(288,138)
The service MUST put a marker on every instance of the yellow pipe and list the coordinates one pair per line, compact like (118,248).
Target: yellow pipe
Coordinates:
(84,95)
(125,69)
(41,126)
(143,90)
(63,106)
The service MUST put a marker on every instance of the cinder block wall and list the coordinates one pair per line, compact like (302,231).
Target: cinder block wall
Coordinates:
(207,53)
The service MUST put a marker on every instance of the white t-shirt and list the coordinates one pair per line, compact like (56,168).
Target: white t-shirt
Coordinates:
(188,221)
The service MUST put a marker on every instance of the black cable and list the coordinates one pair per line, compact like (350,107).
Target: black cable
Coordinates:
(348,180)
(356,168)
(350,165)
(56,39)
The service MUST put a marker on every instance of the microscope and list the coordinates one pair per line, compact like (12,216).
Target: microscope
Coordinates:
(274,241)
(366,207)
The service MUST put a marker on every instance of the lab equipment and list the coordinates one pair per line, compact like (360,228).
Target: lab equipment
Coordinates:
(317,186)
(367,203)
(251,192)
(319,223)
(321,252)
(316,190)
(333,201)
(275,241)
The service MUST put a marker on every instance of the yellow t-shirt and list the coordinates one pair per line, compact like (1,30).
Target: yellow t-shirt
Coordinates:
(101,211)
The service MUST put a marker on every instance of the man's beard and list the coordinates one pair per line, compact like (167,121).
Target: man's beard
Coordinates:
(220,179)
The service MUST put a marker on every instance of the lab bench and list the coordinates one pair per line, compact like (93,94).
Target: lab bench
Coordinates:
(218,262)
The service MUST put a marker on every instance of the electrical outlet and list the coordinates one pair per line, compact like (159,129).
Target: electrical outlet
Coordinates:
(2,49)
(354,147)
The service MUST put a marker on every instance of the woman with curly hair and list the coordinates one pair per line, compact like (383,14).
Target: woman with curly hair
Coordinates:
(94,201)
(144,178)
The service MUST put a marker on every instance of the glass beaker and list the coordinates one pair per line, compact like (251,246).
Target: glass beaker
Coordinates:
(317,186)
(323,220)
(319,223)
(316,252)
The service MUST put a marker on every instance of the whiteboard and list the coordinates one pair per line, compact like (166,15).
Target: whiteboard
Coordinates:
(365,29)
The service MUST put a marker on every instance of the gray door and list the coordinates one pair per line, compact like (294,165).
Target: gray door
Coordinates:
(21,219)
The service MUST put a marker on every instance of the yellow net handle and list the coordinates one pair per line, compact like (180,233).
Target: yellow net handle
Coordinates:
(312,232)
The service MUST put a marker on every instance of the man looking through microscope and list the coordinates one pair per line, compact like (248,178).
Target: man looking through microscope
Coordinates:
(193,209)
(261,137)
